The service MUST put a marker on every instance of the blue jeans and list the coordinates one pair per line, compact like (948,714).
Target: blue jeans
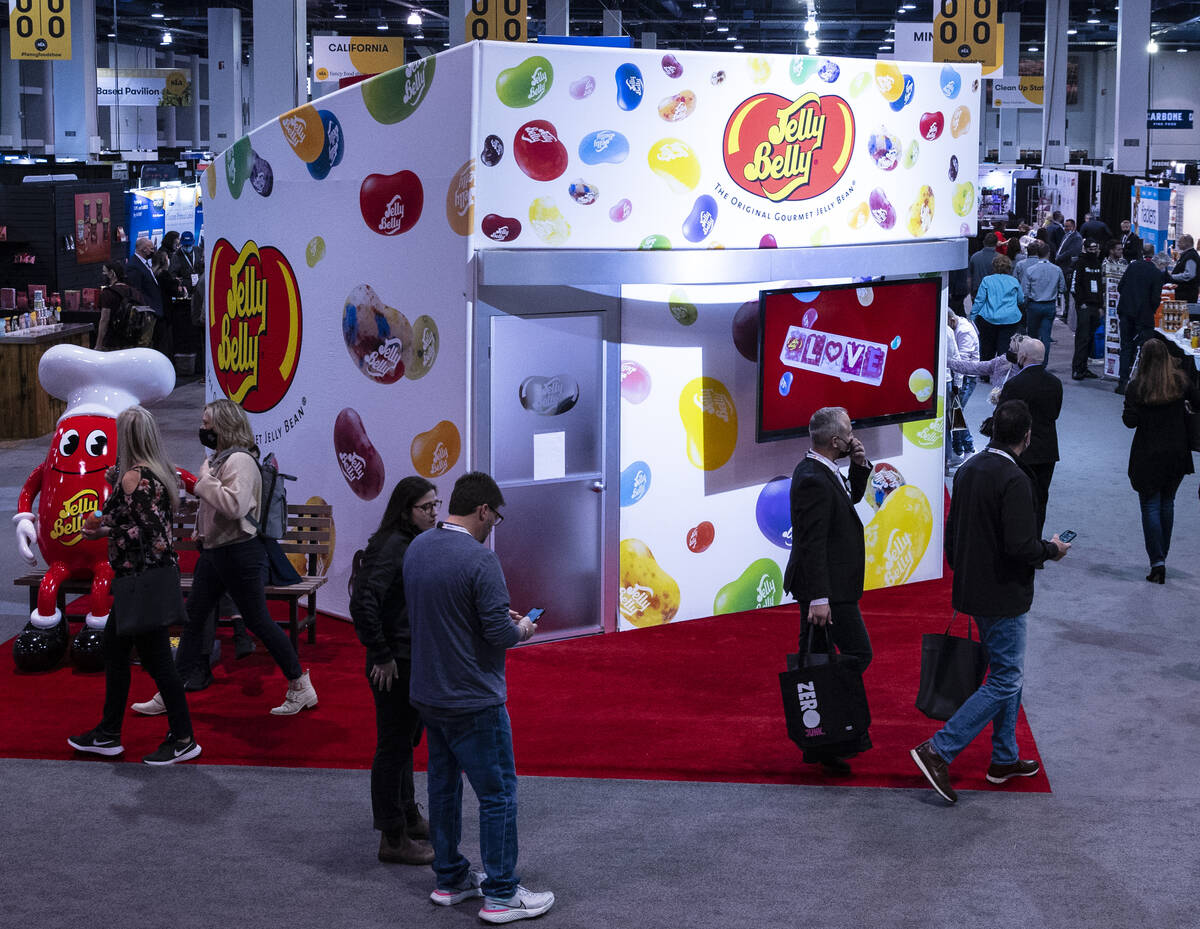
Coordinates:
(479,744)
(1039,318)
(1158,519)
(998,700)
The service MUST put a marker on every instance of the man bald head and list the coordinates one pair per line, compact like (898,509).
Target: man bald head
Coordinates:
(1030,351)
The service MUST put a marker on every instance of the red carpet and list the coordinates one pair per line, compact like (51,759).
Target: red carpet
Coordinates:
(697,701)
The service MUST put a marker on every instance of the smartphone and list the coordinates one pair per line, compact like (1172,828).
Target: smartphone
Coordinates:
(536,613)
(1067,535)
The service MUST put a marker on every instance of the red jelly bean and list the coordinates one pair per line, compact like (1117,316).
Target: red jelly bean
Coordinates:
(391,203)
(500,228)
(538,151)
(699,538)
(932,125)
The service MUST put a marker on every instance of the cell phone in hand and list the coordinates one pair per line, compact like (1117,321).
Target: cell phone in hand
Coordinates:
(1067,536)
(535,614)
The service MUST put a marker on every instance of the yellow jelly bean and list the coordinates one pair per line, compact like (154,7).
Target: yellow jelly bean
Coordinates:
(304,131)
(920,214)
(674,161)
(649,595)
(760,69)
(964,198)
(710,422)
(889,81)
(920,382)
(820,236)
(859,216)
(896,537)
(859,84)
(548,222)
(960,121)
(926,433)
(314,251)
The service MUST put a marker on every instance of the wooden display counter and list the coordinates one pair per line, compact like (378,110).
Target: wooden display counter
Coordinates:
(29,411)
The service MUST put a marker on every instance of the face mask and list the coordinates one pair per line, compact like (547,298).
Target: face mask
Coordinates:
(208,438)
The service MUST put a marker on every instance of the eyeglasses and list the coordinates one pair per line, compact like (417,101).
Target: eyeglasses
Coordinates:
(495,512)
(430,508)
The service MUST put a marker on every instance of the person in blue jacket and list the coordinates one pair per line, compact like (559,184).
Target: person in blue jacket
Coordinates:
(996,310)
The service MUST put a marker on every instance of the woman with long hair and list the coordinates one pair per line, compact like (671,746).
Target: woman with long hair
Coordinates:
(137,519)
(380,617)
(1160,454)
(232,558)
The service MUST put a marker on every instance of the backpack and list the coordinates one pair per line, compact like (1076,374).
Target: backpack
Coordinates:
(126,321)
(272,501)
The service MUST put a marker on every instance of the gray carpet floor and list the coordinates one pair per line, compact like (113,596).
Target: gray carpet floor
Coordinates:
(1112,693)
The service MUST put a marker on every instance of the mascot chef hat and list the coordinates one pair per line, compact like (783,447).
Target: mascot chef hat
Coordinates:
(105,383)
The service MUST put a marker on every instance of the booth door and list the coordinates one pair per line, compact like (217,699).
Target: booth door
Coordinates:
(547,452)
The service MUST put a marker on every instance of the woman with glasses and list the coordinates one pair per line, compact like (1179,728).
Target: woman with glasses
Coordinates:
(381,620)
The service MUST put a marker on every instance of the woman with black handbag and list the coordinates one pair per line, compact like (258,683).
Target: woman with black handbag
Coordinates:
(137,520)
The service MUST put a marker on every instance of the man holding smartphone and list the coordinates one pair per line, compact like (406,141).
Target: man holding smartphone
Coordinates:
(458,611)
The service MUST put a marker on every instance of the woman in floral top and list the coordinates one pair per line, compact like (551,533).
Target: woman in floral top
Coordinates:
(137,520)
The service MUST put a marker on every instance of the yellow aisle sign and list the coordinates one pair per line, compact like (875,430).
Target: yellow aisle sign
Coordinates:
(969,30)
(40,30)
(500,20)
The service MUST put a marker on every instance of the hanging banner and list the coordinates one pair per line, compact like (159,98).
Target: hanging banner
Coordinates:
(1025,93)
(40,30)
(336,57)
(969,30)
(501,20)
(1169,119)
(1151,212)
(915,42)
(143,87)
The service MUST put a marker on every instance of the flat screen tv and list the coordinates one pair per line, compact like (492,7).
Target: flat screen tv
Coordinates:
(872,348)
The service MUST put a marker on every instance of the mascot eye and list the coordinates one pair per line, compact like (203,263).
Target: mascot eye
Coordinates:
(97,442)
(68,443)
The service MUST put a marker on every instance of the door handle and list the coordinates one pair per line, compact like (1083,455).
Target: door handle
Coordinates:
(597,487)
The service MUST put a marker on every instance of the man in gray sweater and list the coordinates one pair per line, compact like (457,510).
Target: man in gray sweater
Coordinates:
(461,627)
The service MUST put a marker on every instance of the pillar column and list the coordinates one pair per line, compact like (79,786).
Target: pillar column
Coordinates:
(558,17)
(73,114)
(458,22)
(1054,97)
(280,62)
(170,114)
(197,142)
(11,135)
(612,23)
(649,40)
(1009,148)
(1131,143)
(224,77)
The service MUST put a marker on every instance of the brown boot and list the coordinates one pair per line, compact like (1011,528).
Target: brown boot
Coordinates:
(398,848)
(416,825)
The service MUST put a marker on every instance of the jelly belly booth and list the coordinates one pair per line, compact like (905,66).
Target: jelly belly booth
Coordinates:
(620,281)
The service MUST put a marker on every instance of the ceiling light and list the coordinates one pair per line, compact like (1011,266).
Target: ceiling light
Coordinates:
(166,39)
(157,12)
(1182,51)
(113,35)
(340,12)
(722,28)
(812,44)
(738,48)
(885,48)
(1152,46)
(1093,21)
(414,18)
(730,38)
(1032,48)
(698,4)
(1072,32)
(382,27)
(811,26)
(909,6)
(710,17)
(310,59)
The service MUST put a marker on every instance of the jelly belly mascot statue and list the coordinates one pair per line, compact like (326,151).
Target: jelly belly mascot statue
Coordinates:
(71,485)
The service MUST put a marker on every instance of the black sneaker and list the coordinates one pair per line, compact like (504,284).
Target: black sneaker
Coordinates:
(1001,773)
(197,679)
(936,770)
(97,742)
(172,751)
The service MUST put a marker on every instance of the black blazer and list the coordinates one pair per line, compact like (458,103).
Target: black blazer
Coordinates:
(139,276)
(1042,391)
(1141,292)
(1160,454)
(828,553)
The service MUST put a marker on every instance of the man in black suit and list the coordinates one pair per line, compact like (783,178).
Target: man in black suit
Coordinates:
(1042,392)
(1141,292)
(825,570)
(1131,242)
(1095,228)
(140,275)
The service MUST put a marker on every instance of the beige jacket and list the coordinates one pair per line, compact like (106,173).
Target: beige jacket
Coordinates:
(227,497)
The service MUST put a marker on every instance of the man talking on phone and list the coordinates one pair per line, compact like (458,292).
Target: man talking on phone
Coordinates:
(826,567)
(461,627)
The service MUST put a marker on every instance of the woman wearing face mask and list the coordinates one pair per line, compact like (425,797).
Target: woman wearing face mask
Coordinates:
(232,557)
(381,620)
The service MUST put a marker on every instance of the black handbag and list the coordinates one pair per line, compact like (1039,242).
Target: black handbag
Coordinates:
(824,700)
(1192,417)
(952,668)
(146,601)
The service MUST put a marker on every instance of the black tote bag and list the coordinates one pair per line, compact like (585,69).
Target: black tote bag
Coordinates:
(147,601)
(952,668)
(824,700)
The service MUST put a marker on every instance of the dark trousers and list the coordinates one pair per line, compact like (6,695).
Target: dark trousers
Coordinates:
(1087,321)
(1042,475)
(993,340)
(397,728)
(240,569)
(1158,519)
(1132,338)
(849,634)
(154,650)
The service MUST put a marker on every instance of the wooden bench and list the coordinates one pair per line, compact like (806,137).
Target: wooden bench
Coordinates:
(308,540)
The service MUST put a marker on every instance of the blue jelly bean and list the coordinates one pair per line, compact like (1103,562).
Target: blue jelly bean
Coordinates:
(605,146)
(333,149)
(773,511)
(829,72)
(785,384)
(630,86)
(951,82)
(896,343)
(910,88)
(635,483)
(807,296)
(700,221)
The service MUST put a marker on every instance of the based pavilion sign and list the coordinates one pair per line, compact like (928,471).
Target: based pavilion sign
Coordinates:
(40,30)
(337,57)
(143,87)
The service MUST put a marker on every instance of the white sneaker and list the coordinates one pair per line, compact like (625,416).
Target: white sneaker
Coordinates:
(300,694)
(524,904)
(466,889)
(152,707)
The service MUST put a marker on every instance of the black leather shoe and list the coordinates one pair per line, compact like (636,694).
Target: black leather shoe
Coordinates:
(1078,377)
(1001,773)
(836,767)
(936,770)
(1157,575)
(1090,375)
(197,680)
(243,646)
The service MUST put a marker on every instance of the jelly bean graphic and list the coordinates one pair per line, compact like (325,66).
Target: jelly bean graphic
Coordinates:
(681,308)
(931,125)
(358,460)
(773,511)
(760,69)
(671,66)
(896,537)
(809,319)
(378,337)
(583,87)
(304,133)
(882,210)
(635,382)
(975,86)
(493,151)
(785,383)
(500,228)
(884,480)
(333,149)
(701,536)
(920,214)
(547,221)
(391,204)
(964,229)
(314,251)
(820,236)
(951,82)
(859,216)
(920,382)
(709,421)
(801,68)
(425,348)
(674,161)
(896,342)
(548,396)
(525,84)
(745,330)
(911,154)
(859,84)
(884,149)
(926,433)
(889,81)
(866,295)
(395,95)
(953,172)
(538,151)
(677,106)
(717,77)
(760,585)
(768,241)
(210,178)
(605,146)
(582,192)
(964,198)
(960,121)
(701,220)
(649,596)
(630,86)
(460,199)
(262,178)
(619,211)
(654,243)
(635,483)
(906,94)
(435,452)
(829,72)
(237,165)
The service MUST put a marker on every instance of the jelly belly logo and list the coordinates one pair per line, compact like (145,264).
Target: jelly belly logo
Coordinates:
(68,524)
(784,149)
(843,357)
(254,324)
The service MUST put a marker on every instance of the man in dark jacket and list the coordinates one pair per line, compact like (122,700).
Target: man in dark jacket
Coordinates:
(140,276)
(992,545)
(1042,393)
(980,264)
(1141,292)
(1095,228)
(826,567)
(1069,251)
(1088,288)
(1186,273)
(1131,242)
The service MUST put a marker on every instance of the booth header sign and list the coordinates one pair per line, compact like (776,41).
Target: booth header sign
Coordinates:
(143,87)
(968,30)
(502,20)
(1169,119)
(40,30)
(336,57)
(1019,93)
